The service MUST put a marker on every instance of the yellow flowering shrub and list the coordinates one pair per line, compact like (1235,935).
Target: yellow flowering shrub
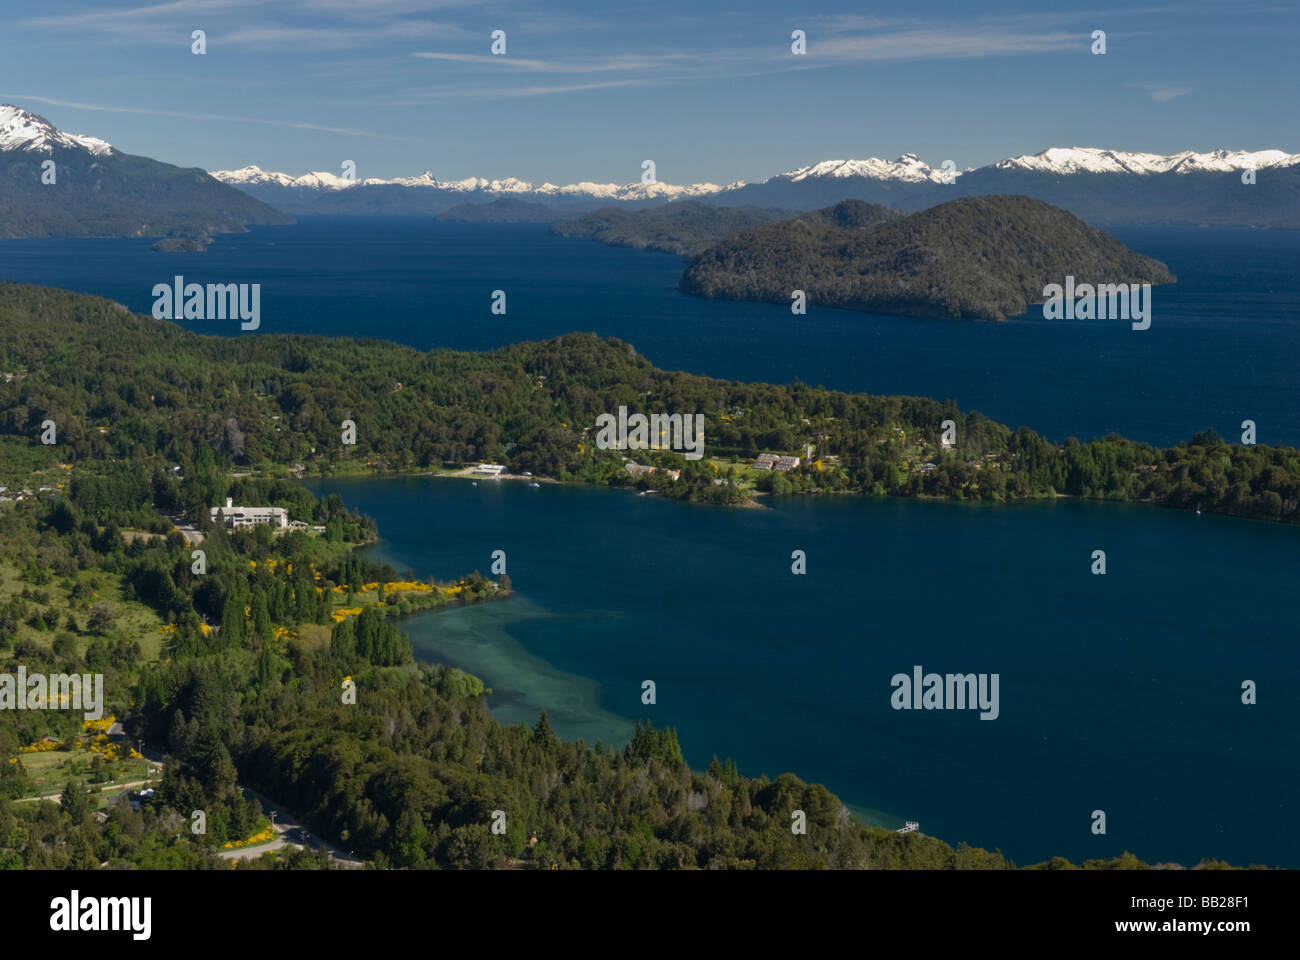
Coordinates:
(101,725)
(265,835)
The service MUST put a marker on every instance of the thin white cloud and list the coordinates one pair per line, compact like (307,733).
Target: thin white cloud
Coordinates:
(626,63)
(158,112)
(658,69)
(1163,92)
(943,44)
(310,25)
(453,94)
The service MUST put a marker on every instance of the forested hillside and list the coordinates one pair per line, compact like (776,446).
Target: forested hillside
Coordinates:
(984,258)
(687,228)
(123,386)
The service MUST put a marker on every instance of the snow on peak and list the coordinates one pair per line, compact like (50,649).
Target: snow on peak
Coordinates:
(425,179)
(252,174)
(1071,160)
(22,130)
(908,168)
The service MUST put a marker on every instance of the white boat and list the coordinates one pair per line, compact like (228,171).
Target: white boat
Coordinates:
(534,484)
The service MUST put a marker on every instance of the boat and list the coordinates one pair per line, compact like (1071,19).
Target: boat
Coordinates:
(534,484)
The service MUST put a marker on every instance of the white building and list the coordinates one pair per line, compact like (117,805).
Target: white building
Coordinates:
(771,461)
(233,516)
(489,469)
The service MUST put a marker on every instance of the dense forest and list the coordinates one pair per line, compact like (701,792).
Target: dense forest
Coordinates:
(411,772)
(687,228)
(127,387)
(984,258)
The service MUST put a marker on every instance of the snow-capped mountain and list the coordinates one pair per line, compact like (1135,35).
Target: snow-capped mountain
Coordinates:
(1105,187)
(21,130)
(252,176)
(101,191)
(1071,160)
(57,184)
(294,191)
(908,168)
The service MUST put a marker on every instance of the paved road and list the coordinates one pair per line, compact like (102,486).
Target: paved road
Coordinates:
(289,833)
(186,528)
(58,797)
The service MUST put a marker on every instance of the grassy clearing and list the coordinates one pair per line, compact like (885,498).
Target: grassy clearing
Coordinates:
(50,772)
(132,619)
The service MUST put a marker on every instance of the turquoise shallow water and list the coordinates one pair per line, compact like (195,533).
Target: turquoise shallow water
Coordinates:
(1118,692)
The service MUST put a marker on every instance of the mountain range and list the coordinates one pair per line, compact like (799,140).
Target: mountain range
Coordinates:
(56,184)
(1108,187)
(100,191)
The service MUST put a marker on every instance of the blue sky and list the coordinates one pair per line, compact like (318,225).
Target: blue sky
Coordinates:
(709,91)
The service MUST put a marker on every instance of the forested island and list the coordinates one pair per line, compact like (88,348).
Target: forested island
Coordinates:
(984,258)
(183,244)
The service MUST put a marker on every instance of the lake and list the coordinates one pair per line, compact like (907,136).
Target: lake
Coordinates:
(1223,346)
(1119,692)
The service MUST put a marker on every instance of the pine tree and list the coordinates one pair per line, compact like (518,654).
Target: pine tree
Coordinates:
(542,734)
(261,616)
(232,621)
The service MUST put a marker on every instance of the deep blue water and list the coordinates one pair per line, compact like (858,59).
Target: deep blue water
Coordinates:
(1223,346)
(1119,692)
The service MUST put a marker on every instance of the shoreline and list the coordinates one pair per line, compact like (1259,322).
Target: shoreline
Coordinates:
(756,496)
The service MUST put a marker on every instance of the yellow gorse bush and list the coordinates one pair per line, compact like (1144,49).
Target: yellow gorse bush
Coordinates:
(101,725)
(262,836)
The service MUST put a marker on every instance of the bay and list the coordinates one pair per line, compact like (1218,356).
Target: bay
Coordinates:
(1119,692)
